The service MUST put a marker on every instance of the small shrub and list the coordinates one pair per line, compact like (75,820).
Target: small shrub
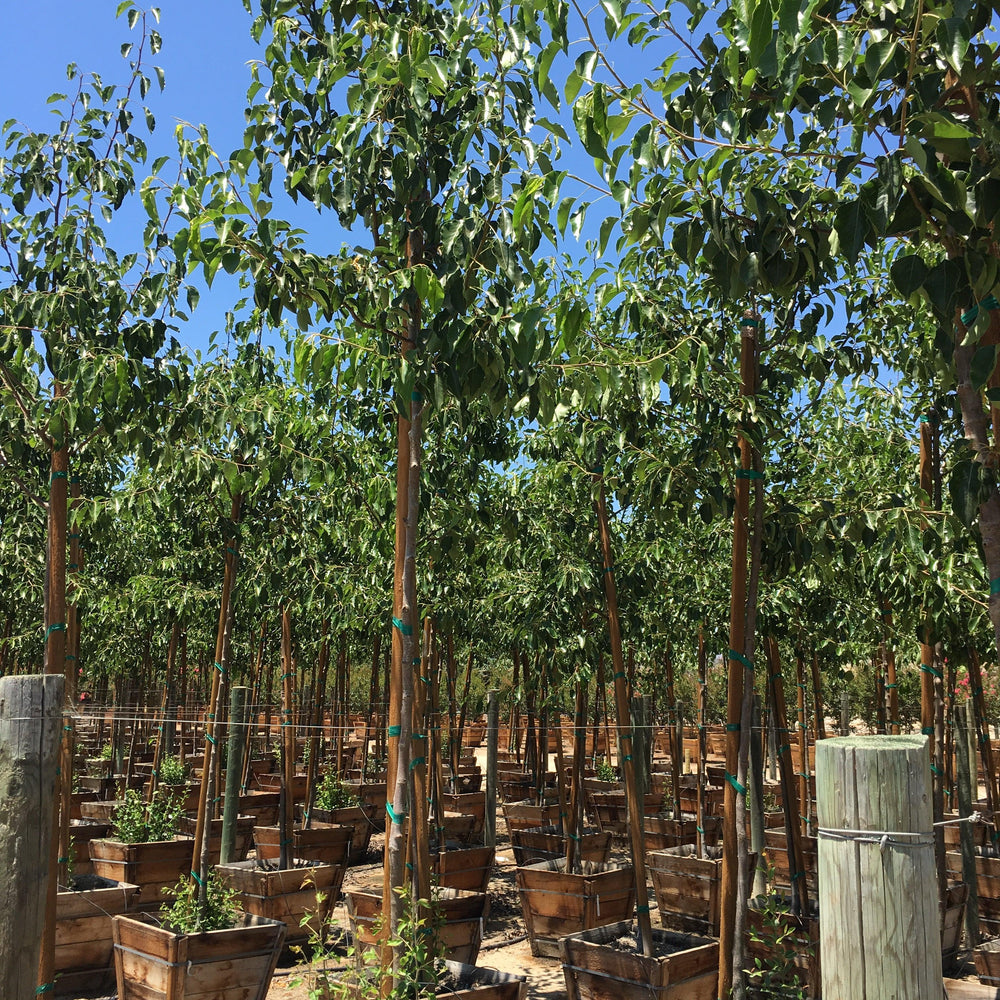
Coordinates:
(173,771)
(334,794)
(184,916)
(107,751)
(421,964)
(605,771)
(135,822)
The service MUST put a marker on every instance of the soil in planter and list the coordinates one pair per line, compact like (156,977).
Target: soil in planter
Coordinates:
(84,883)
(664,943)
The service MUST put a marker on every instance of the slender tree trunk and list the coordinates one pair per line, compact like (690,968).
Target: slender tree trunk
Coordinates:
(635,810)
(55,663)
(202,826)
(977,436)
(731,920)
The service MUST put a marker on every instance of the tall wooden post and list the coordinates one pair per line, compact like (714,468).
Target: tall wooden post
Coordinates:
(31,710)
(879,933)
(238,724)
(492,746)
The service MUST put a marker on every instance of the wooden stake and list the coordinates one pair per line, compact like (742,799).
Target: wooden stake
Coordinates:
(789,797)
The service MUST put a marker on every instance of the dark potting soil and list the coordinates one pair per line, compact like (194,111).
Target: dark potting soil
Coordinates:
(84,883)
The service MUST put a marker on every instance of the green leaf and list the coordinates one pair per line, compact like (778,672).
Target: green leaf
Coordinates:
(908,274)
(964,488)
(953,38)
(984,363)
(852,228)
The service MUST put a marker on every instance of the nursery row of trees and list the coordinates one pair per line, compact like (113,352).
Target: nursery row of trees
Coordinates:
(760,323)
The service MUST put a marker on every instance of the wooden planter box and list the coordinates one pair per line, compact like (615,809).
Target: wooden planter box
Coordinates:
(327,843)
(83,933)
(358,818)
(776,849)
(987,958)
(467,868)
(76,800)
(987,883)
(272,783)
(952,921)
(548,843)
(98,810)
(81,833)
(153,963)
(611,811)
(775,936)
(309,889)
(660,833)
(461,933)
(372,794)
(244,837)
(471,804)
(154,867)
(472,735)
(263,806)
(556,902)
(527,816)
(684,968)
(514,786)
(687,887)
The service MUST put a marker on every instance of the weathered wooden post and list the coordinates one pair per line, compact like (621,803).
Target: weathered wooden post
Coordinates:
(879,926)
(234,771)
(31,709)
(492,740)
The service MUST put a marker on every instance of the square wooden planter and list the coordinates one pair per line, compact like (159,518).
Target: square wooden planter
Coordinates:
(325,843)
(154,963)
(83,932)
(309,889)
(548,843)
(599,965)
(461,933)
(154,867)
(556,902)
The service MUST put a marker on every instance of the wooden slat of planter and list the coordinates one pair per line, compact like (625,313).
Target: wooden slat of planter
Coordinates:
(329,844)
(594,970)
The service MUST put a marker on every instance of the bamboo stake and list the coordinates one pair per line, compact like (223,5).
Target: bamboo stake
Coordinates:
(319,698)
(464,705)
(635,811)
(676,739)
(819,706)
